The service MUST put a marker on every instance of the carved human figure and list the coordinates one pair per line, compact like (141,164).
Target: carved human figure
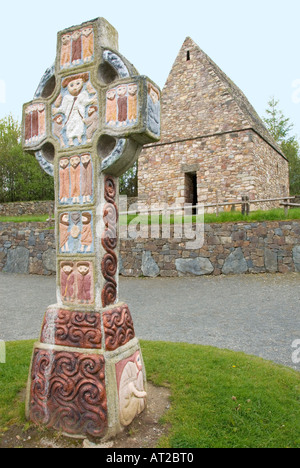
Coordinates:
(65,60)
(84,283)
(64,233)
(28,131)
(91,122)
(34,123)
(75,179)
(86,178)
(86,233)
(122,104)
(73,106)
(64,180)
(76,47)
(57,129)
(153,109)
(67,281)
(41,120)
(75,230)
(132,103)
(111,107)
(87,43)
(131,390)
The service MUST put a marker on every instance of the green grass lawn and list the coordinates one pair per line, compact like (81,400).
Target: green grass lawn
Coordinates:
(271,215)
(219,398)
(226,217)
(24,219)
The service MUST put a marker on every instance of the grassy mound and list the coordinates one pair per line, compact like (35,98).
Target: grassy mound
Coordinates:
(219,398)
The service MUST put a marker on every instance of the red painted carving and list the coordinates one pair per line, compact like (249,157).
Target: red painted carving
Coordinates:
(118,327)
(68,392)
(109,264)
(70,328)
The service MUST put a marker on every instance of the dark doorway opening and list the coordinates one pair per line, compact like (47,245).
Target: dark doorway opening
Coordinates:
(191,193)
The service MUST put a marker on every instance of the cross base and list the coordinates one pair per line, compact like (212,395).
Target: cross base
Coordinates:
(87,377)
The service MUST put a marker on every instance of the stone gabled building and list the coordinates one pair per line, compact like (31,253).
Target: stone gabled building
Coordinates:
(213,142)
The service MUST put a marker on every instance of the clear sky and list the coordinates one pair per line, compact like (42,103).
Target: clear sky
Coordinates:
(255,43)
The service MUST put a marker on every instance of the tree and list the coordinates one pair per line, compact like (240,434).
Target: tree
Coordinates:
(129,182)
(280,128)
(278,125)
(291,149)
(21,177)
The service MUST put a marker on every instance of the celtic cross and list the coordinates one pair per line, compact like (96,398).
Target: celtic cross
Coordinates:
(86,125)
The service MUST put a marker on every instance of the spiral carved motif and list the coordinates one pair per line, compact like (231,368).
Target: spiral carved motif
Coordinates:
(71,328)
(68,392)
(109,264)
(118,327)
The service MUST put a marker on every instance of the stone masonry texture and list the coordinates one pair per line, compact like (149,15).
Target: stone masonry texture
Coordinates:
(27,208)
(230,248)
(27,248)
(210,129)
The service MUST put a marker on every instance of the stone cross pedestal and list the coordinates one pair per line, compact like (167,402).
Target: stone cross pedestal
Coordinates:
(89,119)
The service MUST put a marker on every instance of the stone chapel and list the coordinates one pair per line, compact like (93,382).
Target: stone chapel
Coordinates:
(213,145)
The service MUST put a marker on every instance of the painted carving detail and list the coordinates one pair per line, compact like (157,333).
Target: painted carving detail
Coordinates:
(153,109)
(49,73)
(76,180)
(68,392)
(109,264)
(75,111)
(76,282)
(122,105)
(132,395)
(118,327)
(73,329)
(76,232)
(35,123)
(45,165)
(117,63)
(77,47)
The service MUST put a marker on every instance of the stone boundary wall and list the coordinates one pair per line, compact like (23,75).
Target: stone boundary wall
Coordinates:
(38,207)
(230,248)
(27,208)
(27,248)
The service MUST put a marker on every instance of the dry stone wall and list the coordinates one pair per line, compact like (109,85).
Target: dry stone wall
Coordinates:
(231,248)
(27,208)
(27,248)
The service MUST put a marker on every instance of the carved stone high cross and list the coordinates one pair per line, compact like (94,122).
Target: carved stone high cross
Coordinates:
(87,124)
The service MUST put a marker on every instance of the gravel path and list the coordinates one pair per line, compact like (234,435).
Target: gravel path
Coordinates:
(256,314)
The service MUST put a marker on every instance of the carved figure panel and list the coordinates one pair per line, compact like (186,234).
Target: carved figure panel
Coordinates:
(132,395)
(76,180)
(77,47)
(76,232)
(153,109)
(75,111)
(35,123)
(122,105)
(77,282)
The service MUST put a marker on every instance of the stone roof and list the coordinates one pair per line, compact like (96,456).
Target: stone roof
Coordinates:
(196,76)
